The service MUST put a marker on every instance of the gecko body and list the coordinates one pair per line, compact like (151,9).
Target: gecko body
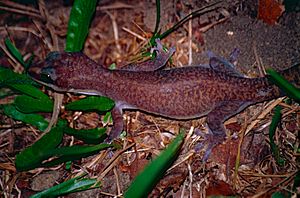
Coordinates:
(217,92)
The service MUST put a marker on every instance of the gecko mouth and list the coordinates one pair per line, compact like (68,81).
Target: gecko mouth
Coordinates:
(34,71)
(42,74)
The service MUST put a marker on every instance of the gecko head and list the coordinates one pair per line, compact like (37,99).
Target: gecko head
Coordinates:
(44,71)
(62,71)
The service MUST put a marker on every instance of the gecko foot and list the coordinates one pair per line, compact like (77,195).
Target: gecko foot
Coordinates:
(160,50)
(162,57)
(209,141)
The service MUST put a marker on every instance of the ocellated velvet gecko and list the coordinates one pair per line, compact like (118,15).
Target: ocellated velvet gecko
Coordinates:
(217,91)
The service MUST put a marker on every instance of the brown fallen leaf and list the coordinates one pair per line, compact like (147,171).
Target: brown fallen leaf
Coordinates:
(219,187)
(269,11)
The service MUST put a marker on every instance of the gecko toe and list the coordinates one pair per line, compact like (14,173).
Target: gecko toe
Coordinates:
(208,143)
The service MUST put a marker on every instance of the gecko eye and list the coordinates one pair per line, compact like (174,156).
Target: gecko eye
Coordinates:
(48,75)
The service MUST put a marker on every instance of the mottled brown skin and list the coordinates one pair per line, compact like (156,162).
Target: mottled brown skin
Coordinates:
(180,93)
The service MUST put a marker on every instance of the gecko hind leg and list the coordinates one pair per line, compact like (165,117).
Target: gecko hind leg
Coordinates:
(208,143)
(227,66)
(216,131)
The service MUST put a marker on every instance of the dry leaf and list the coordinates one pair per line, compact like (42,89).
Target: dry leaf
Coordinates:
(269,11)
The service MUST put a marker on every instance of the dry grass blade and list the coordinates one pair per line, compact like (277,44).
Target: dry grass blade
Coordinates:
(113,162)
(14,60)
(287,180)
(58,99)
(43,35)
(263,114)
(19,6)
(115,29)
(20,9)
(261,69)
(134,34)
(115,5)
(22,29)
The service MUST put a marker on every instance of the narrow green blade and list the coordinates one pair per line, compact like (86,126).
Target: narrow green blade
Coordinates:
(146,180)
(98,103)
(72,185)
(32,156)
(79,22)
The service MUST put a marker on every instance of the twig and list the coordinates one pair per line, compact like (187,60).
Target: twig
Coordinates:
(22,29)
(190,32)
(262,71)
(19,6)
(267,110)
(42,36)
(134,34)
(9,55)
(58,98)
(116,5)
(115,30)
(21,12)
(44,12)
(275,186)
(112,162)
(117,180)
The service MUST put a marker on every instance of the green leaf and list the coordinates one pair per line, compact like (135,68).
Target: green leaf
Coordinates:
(91,136)
(31,91)
(15,52)
(27,104)
(98,103)
(32,119)
(107,118)
(157,17)
(45,148)
(72,153)
(35,100)
(205,9)
(21,83)
(80,185)
(291,5)
(296,181)
(146,180)
(283,84)
(8,77)
(113,66)
(274,148)
(32,156)
(79,22)
(278,195)
(5,92)
(72,185)
(68,165)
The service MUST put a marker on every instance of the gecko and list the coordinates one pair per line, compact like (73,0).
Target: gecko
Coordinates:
(216,90)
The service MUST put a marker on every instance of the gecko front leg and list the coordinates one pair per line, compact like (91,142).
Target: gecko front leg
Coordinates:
(158,62)
(118,124)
